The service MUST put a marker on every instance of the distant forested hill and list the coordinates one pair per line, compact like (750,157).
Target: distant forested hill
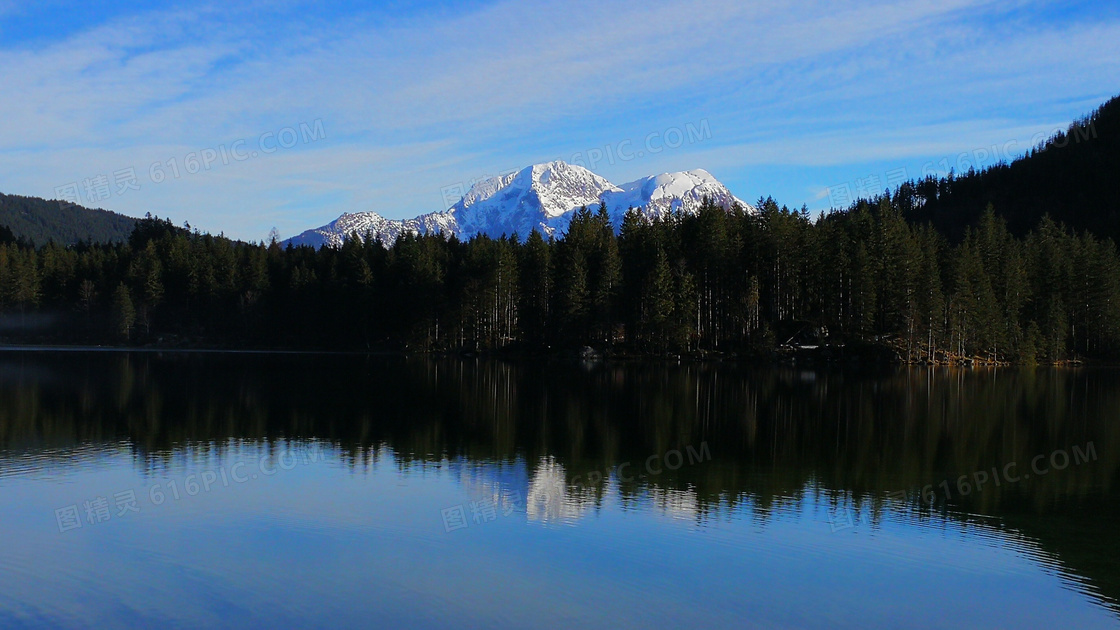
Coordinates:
(1074,177)
(40,221)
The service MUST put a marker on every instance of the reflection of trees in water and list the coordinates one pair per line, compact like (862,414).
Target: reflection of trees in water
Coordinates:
(777,437)
(769,431)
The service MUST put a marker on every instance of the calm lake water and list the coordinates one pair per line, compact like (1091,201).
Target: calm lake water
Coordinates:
(190,490)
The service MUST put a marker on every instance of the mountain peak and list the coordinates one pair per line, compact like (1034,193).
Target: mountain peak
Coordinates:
(536,197)
(658,195)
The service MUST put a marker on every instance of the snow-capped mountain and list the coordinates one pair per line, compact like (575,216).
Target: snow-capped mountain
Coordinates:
(541,197)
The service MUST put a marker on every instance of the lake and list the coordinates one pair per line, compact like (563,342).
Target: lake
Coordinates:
(262,490)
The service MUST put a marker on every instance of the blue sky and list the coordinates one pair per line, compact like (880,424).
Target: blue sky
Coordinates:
(239,117)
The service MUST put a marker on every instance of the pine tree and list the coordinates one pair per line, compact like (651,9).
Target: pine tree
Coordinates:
(124,313)
(635,260)
(659,302)
(87,295)
(607,272)
(928,316)
(536,287)
(1049,274)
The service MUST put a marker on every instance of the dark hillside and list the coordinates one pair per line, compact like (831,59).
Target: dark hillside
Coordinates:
(41,221)
(1074,177)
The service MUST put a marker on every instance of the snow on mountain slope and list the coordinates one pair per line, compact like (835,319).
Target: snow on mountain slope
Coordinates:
(536,197)
(660,195)
(542,197)
(371,224)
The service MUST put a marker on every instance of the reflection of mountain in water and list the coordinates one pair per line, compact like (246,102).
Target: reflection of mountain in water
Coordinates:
(779,439)
(552,498)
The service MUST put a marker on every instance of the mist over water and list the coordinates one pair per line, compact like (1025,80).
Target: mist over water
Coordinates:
(324,490)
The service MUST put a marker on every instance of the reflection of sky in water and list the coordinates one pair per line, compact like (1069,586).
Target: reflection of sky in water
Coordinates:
(333,542)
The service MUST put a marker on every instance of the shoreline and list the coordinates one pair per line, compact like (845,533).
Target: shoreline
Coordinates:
(812,358)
